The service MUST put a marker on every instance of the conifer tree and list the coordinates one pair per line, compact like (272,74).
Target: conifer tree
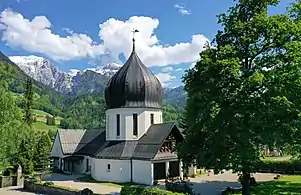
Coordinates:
(28,118)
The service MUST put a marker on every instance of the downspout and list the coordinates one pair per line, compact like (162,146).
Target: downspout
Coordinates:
(131,170)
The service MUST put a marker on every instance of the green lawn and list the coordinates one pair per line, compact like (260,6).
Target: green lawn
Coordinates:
(287,185)
(278,158)
(89,179)
(42,126)
(40,112)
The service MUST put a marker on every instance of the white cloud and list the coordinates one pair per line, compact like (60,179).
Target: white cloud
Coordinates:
(36,36)
(182,10)
(165,78)
(167,69)
(179,69)
(115,36)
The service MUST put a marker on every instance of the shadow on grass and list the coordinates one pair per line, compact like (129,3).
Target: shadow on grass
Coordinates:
(60,177)
(278,188)
(89,179)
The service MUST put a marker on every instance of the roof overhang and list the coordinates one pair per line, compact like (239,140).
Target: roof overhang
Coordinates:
(74,158)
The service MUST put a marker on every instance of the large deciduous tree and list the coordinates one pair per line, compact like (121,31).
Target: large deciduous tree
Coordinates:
(245,91)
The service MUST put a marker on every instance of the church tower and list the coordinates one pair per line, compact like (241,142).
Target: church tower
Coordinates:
(134,98)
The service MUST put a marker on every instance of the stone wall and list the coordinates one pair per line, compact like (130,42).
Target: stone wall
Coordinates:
(6,181)
(42,189)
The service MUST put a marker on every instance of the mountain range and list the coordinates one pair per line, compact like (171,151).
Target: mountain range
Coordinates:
(80,82)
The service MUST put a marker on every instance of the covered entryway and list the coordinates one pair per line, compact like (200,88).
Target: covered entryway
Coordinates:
(70,161)
(174,169)
(159,171)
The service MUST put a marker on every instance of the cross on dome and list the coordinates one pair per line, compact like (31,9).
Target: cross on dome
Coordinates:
(134,31)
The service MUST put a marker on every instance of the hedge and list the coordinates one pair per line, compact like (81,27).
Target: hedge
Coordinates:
(140,190)
(280,166)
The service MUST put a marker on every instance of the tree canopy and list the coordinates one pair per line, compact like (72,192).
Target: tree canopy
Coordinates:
(244,92)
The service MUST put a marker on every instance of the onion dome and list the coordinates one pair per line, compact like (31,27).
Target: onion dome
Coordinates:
(134,85)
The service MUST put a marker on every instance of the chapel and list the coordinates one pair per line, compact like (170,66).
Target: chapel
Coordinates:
(136,145)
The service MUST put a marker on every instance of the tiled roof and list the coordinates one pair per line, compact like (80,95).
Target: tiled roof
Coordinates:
(74,139)
(165,155)
(93,143)
(117,150)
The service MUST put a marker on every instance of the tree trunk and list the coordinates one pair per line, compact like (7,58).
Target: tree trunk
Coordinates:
(245,182)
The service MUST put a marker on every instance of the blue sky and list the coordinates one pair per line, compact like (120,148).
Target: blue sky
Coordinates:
(68,32)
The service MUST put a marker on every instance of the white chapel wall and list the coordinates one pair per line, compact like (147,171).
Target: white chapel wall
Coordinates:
(57,149)
(120,170)
(143,172)
(126,122)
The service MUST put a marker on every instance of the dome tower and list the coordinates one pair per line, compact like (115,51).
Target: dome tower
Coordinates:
(134,98)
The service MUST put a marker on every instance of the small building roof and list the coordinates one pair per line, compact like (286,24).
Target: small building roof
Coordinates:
(73,140)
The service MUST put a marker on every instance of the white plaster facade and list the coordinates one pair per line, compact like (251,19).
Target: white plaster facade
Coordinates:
(143,172)
(126,122)
(111,170)
(56,148)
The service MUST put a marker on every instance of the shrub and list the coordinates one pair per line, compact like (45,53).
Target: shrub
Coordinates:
(139,190)
(131,190)
(284,166)
(86,191)
(156,182)
(48,183)
(179,186)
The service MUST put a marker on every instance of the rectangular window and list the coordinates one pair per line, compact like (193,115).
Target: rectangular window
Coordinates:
(118,124)
(135,124)
(87,165)
(151,119)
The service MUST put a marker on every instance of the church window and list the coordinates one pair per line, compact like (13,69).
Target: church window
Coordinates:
(151,118)
(118,124)
(135,124)
(109,167)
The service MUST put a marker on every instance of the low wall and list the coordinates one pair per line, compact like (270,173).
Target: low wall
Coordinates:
(6,181)
(42,189)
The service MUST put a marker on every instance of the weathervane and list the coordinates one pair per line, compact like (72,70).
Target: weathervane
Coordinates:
(134,31)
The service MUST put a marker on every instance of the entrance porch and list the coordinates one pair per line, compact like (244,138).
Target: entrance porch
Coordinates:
(165,169)
(69,164)
(171,168)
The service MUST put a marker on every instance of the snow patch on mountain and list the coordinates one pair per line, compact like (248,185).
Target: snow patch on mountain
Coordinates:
(44,71)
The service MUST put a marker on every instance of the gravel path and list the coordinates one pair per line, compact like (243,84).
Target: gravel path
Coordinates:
(212,184)
(16,190)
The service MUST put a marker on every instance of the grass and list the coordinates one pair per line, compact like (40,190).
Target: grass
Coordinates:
(40,112)
(287,185)
(200,172)
(278,158)
(89,179)
(39,125)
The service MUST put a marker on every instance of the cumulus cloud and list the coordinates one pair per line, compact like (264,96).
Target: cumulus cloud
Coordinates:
(182,10)
(167,69)
(114,39)
(36,36)
(165,78)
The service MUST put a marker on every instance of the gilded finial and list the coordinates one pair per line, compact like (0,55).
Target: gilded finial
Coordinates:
(134,31)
